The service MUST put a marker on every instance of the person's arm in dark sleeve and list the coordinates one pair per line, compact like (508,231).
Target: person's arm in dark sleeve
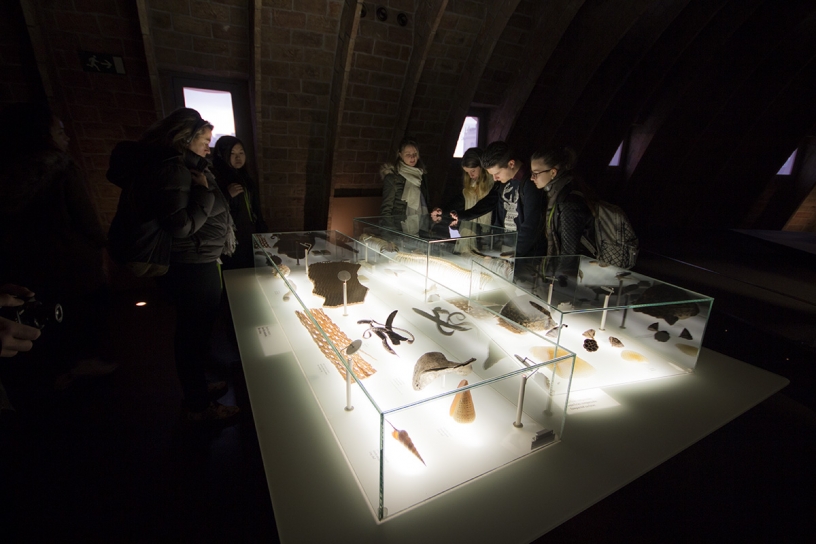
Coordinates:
(260,224)
(574,217)
(184,206)
(389,194)
(533,202)
(483,206)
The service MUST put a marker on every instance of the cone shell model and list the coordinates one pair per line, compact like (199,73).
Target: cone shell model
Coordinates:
(462,409)
(405,440)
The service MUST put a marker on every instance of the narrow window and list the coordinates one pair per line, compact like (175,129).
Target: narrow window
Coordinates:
(616,158)
(468,137)
(215,107)
(787,168)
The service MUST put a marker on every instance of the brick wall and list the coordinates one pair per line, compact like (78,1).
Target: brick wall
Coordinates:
(203,36)
(381,54)
(98,109)
(508,55)
(297,58)
(454,39)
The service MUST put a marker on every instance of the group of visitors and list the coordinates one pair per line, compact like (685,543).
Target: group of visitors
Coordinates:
(196,216)
(543,205)
(53,241)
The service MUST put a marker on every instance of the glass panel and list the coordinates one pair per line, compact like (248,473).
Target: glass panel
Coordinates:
(421,348)
(215,107)
(642,328)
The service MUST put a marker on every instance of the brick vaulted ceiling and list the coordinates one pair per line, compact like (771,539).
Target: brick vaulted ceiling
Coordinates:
(711,96)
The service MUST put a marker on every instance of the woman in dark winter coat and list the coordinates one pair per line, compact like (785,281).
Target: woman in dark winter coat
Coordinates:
(51,240)
(405,188)
(166,176)
(229,167)
(567,217)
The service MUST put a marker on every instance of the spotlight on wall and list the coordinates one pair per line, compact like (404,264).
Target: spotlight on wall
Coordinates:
(402,19)
(141,304)
(382,14)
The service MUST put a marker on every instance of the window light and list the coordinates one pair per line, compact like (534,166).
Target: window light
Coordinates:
(468,137)
(215,107)
(616,158)
(787,168)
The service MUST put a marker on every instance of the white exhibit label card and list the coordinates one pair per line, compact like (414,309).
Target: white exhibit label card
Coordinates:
(588,400)
(273,340)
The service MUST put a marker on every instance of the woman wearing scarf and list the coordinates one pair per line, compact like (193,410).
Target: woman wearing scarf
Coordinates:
(229,165)
(405,188)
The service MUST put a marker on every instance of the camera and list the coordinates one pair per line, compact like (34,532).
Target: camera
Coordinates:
(34,313)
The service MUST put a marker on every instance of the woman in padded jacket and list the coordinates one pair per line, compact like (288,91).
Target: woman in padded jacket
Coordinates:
(169,160)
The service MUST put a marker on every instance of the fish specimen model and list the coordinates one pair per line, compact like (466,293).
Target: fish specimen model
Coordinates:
(441,270)
(378,244)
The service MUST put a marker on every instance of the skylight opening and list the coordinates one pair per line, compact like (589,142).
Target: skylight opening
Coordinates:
(787,168)
(616,158)
(468,136)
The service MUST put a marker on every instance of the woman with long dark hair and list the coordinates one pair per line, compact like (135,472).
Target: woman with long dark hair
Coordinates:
(168,175)
(567,216)
(235,182)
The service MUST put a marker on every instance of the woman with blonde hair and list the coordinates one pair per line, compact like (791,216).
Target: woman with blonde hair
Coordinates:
(165,176)
(479,193)
(405,188)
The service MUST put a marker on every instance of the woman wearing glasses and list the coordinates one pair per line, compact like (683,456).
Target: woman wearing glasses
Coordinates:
(567,216)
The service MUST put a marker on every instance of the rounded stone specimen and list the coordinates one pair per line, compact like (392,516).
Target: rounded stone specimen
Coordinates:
(662,336)
(590,345)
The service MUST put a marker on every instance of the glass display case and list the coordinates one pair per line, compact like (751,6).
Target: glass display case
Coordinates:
(622,326)
(420,394)
(437,250)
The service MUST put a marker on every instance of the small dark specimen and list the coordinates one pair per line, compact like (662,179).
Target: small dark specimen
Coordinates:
(654,326)
(386,332)
(686,334)
(590,345)
(666,294)
(662,336)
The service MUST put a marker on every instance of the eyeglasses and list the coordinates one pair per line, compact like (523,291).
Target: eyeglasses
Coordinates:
(534,175)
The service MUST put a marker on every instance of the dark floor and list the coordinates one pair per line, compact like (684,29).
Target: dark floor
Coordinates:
(109,460)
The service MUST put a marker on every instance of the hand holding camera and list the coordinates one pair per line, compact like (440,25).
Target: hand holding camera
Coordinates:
(17,335)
